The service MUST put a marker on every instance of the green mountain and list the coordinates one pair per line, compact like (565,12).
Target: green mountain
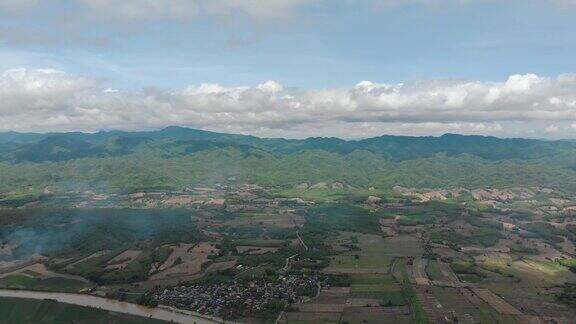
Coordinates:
(178,157)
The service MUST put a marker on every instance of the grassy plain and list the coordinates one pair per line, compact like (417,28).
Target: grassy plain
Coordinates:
(377,286)
(375,253)
(16,311)
(479,312)
(49,284)
(532,272)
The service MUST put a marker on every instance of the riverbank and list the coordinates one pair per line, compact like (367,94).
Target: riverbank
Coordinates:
(165,314)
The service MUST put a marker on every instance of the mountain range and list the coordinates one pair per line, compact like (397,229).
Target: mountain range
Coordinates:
(178,156)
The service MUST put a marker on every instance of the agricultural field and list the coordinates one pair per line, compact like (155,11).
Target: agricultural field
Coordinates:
(185,259)
(345,258)
(38,277)
(373,253)
(467,307)
(17,310)
(529,271)
(377,288)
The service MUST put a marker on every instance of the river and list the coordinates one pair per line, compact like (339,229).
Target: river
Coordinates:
(110,305)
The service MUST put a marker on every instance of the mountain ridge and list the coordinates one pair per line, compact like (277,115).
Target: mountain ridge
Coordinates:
(179,157)
(15,136)
(57,147)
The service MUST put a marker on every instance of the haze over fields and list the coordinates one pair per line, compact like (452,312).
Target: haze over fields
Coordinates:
(287,161)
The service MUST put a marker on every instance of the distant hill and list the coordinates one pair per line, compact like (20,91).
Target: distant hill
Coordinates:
(36,147)
(177,157)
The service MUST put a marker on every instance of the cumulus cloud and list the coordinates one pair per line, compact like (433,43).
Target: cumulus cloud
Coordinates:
(522,105)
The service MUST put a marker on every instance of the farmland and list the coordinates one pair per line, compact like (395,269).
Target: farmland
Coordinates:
(16,310)
(399,258)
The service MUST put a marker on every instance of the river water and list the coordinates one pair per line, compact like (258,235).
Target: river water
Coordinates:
(109,304)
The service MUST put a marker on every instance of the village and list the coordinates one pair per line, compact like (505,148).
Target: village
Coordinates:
(235,299)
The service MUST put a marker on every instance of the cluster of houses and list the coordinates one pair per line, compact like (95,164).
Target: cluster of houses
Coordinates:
(234,299)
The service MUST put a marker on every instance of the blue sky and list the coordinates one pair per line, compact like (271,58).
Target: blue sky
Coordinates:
(321,45)
(304,45)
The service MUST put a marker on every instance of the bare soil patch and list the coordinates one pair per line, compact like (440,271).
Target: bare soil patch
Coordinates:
(419,271)
(499,304)
(255,249)
(358,270)
(219,266)
(568,246)
(123,259)
(185,259)
(321,308)
(91,256)
(388,231)
(39,271)
(447,272)
(430,304)
(363,302)
(278,220)
(301,317)
(6,249)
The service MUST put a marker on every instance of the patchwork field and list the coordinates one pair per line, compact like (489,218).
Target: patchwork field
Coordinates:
(38,277)
(185,259)
(123,259)
(279,220)
(219,266)
(87,258)
(374,254)
(419,271)
(384,315)
(531,272)
(499,304)
(467,307)
(366,301)
(377,289)
(255,249)
(433,271)
(385,260)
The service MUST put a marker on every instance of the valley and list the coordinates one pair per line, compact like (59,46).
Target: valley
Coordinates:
(316,253)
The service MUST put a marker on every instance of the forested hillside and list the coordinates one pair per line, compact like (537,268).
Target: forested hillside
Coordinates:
(178,157)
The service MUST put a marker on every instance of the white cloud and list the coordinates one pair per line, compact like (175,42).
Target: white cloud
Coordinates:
(522,105)
(271,86)
(551,129)
(12,5)
(133,10)
(136,10)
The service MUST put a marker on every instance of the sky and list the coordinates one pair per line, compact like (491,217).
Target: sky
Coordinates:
(291,68)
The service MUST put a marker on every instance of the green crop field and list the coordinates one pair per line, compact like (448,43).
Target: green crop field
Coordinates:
(48,284)
(376,286)
(402,245)
(452,300)
(20,311)
(362,316)
(373,253)
(433,270)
